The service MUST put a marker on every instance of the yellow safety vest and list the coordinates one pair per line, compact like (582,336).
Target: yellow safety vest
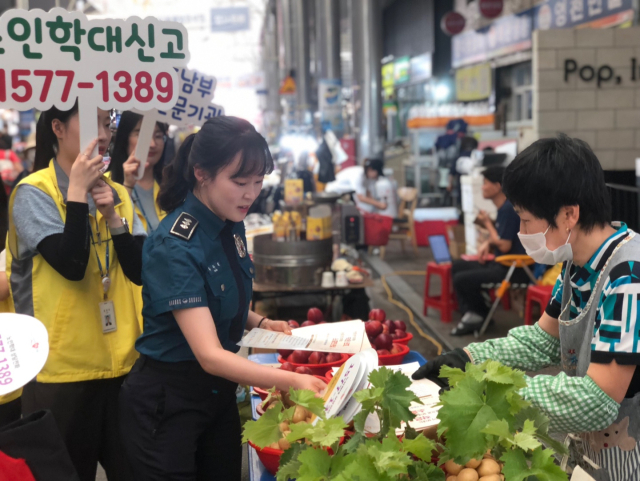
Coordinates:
(78,349)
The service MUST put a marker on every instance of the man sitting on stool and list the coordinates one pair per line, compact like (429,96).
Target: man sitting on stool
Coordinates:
(469,276)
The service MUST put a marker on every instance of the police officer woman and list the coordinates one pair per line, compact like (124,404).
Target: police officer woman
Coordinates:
(179,415)
(124,167)
(71,263)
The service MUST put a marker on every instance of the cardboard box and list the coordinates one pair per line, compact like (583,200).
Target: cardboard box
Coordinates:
(457,245)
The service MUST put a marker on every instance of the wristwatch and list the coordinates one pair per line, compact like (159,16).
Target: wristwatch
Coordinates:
(123,229)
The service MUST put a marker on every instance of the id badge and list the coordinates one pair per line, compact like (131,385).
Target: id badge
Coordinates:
(108,315)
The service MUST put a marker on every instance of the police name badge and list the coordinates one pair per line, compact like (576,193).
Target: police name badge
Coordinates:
(108,317)
(242,250)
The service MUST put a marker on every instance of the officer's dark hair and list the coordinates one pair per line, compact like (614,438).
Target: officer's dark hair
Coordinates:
(494,174)
(559,172)
(46,140)
(214,147)
(120,154)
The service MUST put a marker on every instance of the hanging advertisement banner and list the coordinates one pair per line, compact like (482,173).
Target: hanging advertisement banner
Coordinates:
(473,83)
(568,14)
(55,58)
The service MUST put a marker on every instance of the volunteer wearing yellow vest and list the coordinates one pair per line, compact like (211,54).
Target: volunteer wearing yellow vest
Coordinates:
(71,261)
(124,166)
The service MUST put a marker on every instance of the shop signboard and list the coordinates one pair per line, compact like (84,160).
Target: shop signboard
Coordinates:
(55,58)
(508,34)
(229,19)
(388,79)
(452,23)
(330,103)
(421,67)
(490,8)
(473,83)
(572,13)
(401,70)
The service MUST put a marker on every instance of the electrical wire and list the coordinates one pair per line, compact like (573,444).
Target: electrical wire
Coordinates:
(412,320)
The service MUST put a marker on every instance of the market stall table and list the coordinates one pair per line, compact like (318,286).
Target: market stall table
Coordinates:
(272,291)
(257,471)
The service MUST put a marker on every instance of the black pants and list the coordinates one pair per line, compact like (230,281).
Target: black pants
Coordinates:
(86,413)
(468,277)
(180,423)
(10,411)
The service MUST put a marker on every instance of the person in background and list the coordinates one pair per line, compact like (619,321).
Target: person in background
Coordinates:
(469,276)
(10,164)
(72,260)
(380,194)
(28,159)
(124,167)
(590,328)
(179,414)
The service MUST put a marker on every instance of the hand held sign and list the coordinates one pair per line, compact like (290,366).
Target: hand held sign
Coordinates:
(53,58)
(192,108)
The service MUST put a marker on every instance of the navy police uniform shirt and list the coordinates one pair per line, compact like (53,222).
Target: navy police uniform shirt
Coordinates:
(194,259)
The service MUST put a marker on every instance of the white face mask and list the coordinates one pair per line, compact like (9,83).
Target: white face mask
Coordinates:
(536,247)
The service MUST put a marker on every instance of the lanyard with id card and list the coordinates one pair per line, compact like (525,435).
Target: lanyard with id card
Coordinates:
(107,309)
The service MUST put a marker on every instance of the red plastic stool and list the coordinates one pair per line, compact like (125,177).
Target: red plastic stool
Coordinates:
(539,294)
(445,302)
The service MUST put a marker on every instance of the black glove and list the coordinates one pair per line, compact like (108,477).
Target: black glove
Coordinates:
(431,370)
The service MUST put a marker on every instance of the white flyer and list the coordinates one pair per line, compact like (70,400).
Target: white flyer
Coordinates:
(348,337)
(24,347)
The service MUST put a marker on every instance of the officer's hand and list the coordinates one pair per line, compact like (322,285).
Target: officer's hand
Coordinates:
(103,198)
(304,381)
(85,172)
(278,326)
(431,370)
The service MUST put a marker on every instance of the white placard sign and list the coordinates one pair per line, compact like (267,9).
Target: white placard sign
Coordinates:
(192,108)
(24,347)
(53,58)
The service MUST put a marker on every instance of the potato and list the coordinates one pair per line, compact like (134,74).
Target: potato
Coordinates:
(468,474)
(488,467)
(491,477)
(451,467)
(284,426)
(501,477)
(300,414)
(274,446)
(284,444)
(473,463)
(452,478)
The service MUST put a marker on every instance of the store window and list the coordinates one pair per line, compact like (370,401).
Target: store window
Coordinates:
(517,82)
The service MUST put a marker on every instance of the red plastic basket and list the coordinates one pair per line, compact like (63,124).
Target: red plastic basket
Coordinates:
(404,340)
(318,369)
(271,457)
(394,359)
(377,229)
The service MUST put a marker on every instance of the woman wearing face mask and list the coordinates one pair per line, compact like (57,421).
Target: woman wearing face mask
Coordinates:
(124,167)
(590,328)
(71,261)
(179,415)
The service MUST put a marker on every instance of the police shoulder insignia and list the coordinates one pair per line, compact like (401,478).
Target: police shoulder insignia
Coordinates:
(184,226)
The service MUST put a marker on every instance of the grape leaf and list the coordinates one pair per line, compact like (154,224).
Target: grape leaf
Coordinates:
(498,428)
(542,466)
(453,374)
(525,439)
(264,431)
(369,398)
(387,457)
(315,465)
(359,436)
(421,447)
(379,377)
(497,372)
(397,397)
(308,399)
(421,471)
(325,433)
(517,402)
(289,463)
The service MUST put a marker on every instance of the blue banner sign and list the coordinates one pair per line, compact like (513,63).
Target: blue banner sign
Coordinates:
(231,19)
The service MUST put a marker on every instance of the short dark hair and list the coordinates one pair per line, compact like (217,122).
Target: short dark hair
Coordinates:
(375,164)
(558,172)
(494,174)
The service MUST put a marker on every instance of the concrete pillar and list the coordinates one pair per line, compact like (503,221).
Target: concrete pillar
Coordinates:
(366,23)
(301,57)
(328,39)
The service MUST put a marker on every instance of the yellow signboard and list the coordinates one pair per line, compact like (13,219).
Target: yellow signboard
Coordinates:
(473,83)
